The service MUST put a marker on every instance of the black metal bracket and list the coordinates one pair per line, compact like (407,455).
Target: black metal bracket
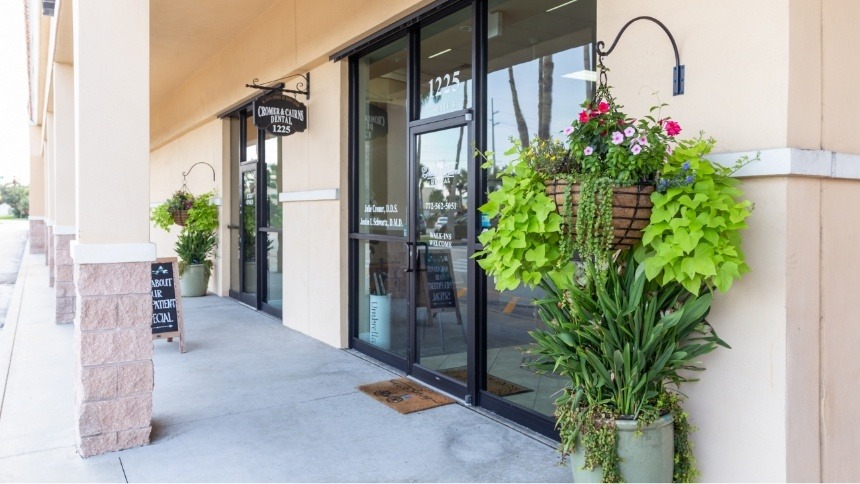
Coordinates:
(677,73)
(303,88)
(185,174)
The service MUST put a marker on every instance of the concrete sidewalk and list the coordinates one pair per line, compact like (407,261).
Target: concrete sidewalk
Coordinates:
(250,401)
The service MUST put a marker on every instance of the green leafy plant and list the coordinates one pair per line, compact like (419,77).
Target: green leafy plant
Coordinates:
(525,242)
(17,196)
(195,247)
(202,215)
(624,345)
(693,237)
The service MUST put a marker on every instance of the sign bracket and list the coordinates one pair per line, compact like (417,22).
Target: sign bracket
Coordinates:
(302,87)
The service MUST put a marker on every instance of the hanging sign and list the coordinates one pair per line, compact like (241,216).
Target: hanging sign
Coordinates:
(280,114)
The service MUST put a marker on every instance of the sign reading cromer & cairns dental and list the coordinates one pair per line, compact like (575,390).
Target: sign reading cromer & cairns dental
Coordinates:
(280,114)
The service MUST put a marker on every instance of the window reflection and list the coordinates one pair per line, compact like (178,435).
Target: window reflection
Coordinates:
(536,62)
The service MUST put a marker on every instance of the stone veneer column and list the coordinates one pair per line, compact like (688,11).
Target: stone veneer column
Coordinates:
(63,201)
(113,342)
(37,192)
(64,279)
(37,235)
(112,253)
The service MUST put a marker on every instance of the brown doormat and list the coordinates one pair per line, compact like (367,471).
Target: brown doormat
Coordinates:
(495,385)
(404,395)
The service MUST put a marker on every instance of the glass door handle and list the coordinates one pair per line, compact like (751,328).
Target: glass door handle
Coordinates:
(409,257)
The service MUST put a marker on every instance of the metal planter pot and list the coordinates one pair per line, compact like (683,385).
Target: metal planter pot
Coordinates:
(194,282)
(649,457)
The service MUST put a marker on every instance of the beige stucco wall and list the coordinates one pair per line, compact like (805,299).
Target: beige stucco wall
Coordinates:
(37,173)
(167,164)
(736,58)
(841,67)
(739,404)
(315,256)
(840,332)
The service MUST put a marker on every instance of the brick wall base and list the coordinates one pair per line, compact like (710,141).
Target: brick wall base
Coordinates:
(64,279)
(37,236)
(113,356)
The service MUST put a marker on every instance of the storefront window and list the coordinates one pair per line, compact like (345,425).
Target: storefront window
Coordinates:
(446,65)
(537,61)
(382,141)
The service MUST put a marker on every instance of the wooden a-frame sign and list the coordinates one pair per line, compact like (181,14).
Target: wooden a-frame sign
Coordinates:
(167,322)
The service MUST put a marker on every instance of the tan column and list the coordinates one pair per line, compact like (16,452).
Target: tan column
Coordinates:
(50,190)
(37,192)
(64,191)
(112,255)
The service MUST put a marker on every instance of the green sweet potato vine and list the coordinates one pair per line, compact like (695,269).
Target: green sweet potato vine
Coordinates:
(525,243)
(694,234)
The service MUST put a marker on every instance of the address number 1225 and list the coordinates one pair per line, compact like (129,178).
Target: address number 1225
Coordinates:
(445,84)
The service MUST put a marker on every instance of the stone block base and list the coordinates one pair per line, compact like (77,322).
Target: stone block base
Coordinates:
(37,236)
(113,356)
(64,279)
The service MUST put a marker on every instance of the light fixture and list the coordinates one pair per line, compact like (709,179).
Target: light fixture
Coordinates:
(559,6)
(437,54)
(583,75)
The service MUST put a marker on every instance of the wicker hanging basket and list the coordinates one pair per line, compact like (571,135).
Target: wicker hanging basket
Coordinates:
(179,217)
(631,209)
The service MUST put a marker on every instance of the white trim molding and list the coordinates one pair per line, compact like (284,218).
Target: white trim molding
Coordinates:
(49,223)
(36,218)
(310,195)
(65,230)
(112,253)
(794,162)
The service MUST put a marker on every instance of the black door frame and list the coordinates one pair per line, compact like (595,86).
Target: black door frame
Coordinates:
(254,299)
(476,318)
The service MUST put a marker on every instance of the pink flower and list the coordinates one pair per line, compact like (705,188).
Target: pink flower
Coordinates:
(603,107)
(588,150)
(629,131)
(636,149)
(583,116)
(672,127)
(617,138)
(643,141)
(568,130)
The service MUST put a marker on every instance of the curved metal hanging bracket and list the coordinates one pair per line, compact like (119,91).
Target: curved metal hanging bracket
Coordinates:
(185,174)
(302,87)
(678,72)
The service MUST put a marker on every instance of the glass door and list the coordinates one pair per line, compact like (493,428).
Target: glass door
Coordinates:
(257,228)
(440,304)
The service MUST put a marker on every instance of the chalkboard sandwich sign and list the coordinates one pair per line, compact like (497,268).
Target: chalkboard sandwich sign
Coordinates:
(167,320)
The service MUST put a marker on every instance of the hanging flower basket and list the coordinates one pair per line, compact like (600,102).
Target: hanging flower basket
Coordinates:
(631,209)
(179,217)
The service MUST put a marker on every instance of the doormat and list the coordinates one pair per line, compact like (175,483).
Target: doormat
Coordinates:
(495,385)
(404,395)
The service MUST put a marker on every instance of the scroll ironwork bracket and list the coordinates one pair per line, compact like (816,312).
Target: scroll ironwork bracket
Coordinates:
(678,71)
(185,173)
(302,87)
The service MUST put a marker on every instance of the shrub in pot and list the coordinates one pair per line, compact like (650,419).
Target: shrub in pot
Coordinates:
(194,247)
(196,240)
(625,326)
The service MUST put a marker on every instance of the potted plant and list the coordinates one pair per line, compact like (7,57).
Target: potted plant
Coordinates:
(197,238)
(623,319)
(194,247)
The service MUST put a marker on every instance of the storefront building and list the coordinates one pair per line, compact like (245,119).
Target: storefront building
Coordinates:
(358,225)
